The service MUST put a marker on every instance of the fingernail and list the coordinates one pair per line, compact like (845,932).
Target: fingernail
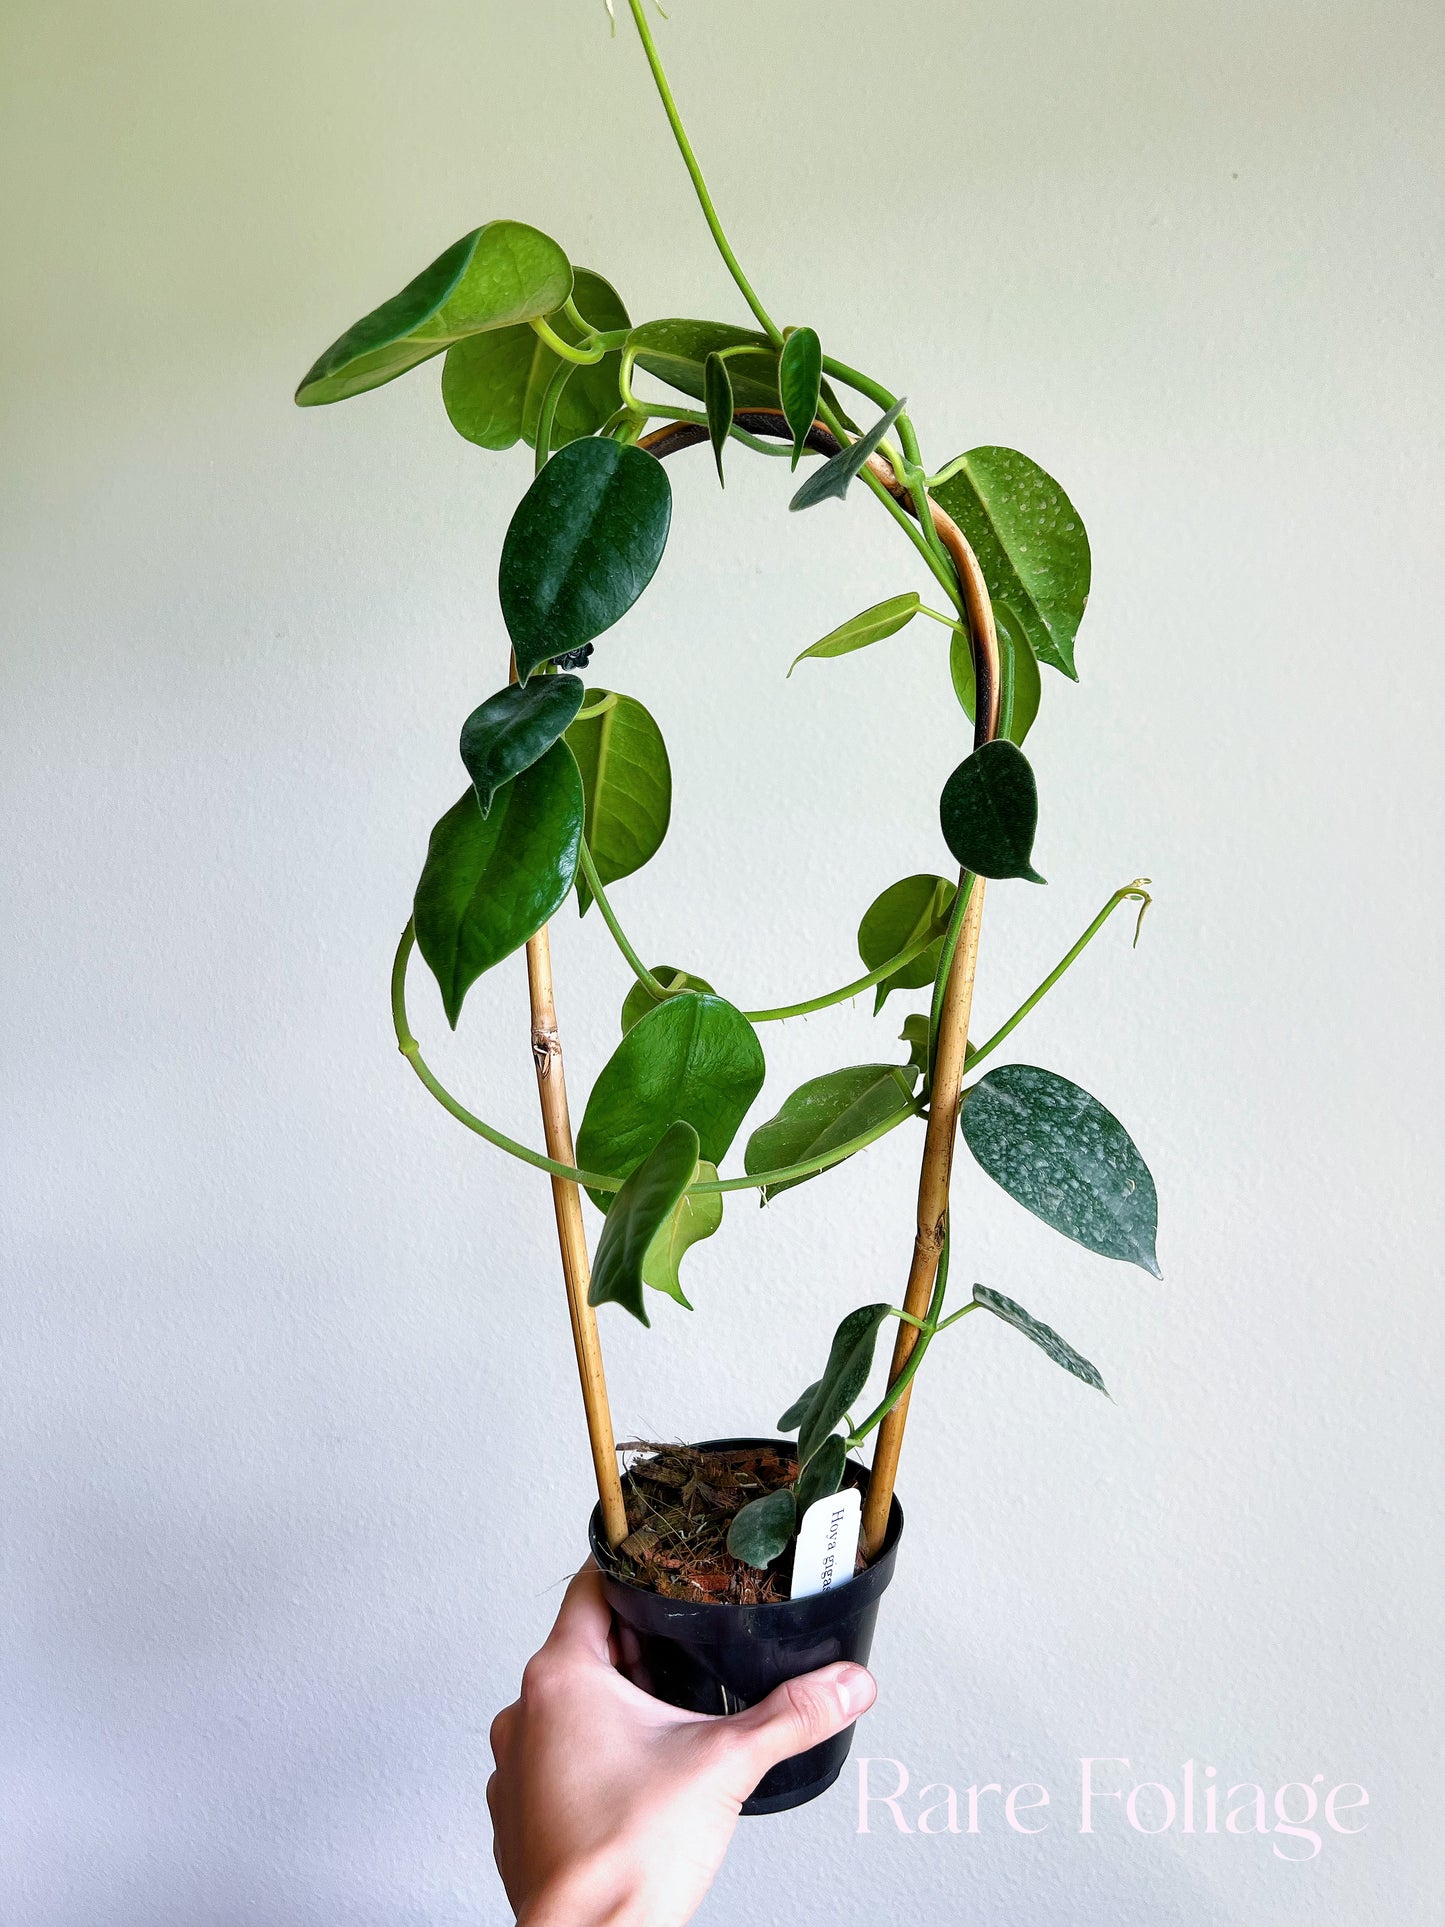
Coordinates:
(855,1690)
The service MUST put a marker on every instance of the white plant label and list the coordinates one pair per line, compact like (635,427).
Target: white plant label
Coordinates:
(827,1543)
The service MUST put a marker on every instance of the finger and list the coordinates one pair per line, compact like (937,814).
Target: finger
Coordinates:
(585,1619)
(798,1714)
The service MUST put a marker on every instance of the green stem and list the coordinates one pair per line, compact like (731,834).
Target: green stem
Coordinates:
(905,956)
(1135,892)
(928,1328)
(949,622)
(594,884)
(547,413)
(684,147)
(945,965)
(864,384)
(583,357)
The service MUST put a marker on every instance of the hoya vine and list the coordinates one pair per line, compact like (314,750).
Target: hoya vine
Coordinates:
(570,791)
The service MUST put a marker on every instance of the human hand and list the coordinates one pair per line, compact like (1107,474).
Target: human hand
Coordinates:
(611,1809)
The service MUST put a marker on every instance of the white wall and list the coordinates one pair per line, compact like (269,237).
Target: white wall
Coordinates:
(294,1465)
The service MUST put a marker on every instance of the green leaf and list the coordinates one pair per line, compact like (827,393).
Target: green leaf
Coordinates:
(694,1057)
(695,1216)
(513,729)
(797,1411)
(495,276)
(491,882)
(849,1362)
(825,1112)
(718,400)
(583,544)
(883,619)
(904,912)
(627,780)
(640,1213)
(800,383)
(1020,690)
(823,1474)
(832,479)
(493,384)
(676,351)
(989,811)
(915,1035)
(639,1000)
(1030,545)
(1044,1336)
(1065,1158)
(763,1528)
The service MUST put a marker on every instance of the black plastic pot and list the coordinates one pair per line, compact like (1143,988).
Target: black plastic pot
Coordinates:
(714,1658)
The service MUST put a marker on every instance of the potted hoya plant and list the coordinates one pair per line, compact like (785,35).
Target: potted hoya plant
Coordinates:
(735,1563)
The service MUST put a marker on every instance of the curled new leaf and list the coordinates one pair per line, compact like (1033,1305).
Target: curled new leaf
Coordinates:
(1044,1336)
(695,1216)
(800,383)
(584,543)
(514,729)
(640,1213)
(500,274)
(850,1360)
(825,1112)
(905,912)
(883,619)
(989,811)
(627,781)
(832,479)
(1065,1158)
(639,1000)
(763,1528)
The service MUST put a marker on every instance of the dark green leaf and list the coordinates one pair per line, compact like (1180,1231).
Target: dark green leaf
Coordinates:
(640,1213)
(495,276)
(904,912)
(1030,545)
(513,729)
(793,1417)
(694,1057)
(491,882)
(883,619)
(989,811)
(832,479)
(1065,1158)
(583,544)
(1020,688)
(915,1035)
(800,383)
(695,1216)
(1044,1336)
(763,1528)
(849,1362)
(627,780)
(823,1474)
(825,1112)
(639,1000)
(718,400)
(493,384)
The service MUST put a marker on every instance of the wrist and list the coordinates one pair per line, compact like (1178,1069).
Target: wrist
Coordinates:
(593,1896)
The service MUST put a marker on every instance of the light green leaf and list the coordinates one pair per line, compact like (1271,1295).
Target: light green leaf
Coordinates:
(495,276)
(905,911)
(831,481)
(513,729)
(1030,543)
(491,882)
(825,1112)
(1065,1158)
(695,1216)
(800,383)
(639,1000)
(797,1411)
(718,400)
(676,351)
(989,811)
(1020,690)
(850,1360)
(883,619)
(763,1528)
(915,1035)
(639,1215)
(694,1057)
(627,781)
(823,1474)
(1044,1336)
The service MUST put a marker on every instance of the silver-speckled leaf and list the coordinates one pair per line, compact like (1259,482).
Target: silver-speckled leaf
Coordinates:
(1044,1336)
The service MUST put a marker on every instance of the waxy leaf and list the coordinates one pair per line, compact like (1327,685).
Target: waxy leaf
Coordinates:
(491,882)
(763,1528)
(718,400)
(1044,1336)
(694,1057)
(695,1216)
(676,351)
(639,1000)
(904,912)
(1065,1158)
(797,1411)
(800,383)
(640,1213)
(989,811)
(514,729)
(583,544)
(832,479)
(825,1112)
(1030,544)
(627,780)
(849,1362)
(823,1474)
(1020,686)
(495,276)
(493,384)
(883,619)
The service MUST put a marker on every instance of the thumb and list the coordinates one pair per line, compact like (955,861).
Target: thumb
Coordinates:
(798,1714)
